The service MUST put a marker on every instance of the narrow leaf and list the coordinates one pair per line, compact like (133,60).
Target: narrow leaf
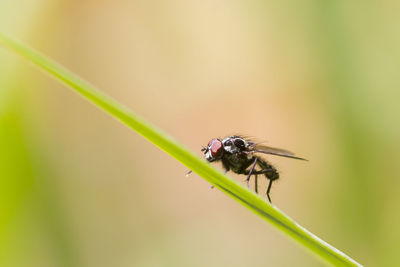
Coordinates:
(231,187)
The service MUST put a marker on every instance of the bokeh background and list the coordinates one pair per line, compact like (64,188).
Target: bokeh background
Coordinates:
(320,78)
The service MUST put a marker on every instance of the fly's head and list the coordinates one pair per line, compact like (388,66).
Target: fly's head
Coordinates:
(230,145)
(214,150)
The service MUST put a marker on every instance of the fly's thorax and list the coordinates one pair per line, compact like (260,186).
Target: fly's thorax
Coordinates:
(234,144)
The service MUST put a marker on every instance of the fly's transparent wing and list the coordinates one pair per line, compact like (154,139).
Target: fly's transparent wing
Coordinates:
(258,148)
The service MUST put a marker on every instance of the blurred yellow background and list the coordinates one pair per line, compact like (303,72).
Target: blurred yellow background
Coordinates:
(320,78)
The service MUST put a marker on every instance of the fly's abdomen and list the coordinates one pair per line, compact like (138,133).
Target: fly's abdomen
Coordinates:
(270,171)
(273,174)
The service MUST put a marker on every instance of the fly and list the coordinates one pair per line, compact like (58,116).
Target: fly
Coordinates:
(241,155)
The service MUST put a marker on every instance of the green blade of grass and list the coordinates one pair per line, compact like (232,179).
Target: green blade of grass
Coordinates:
(231,187)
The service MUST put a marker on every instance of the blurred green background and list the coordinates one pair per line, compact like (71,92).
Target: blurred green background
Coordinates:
(320,78)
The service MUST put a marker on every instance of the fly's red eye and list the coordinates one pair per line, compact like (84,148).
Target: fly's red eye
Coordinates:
(215,146)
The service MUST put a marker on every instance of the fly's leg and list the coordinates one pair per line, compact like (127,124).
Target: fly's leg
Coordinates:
(251,172)
(270,181)
(263,171)
(269,189)
(271,173)
(256,183)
